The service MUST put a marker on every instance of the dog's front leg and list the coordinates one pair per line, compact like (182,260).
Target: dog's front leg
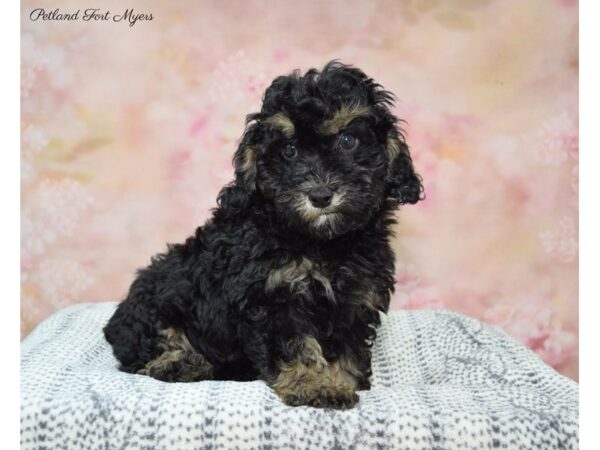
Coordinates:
(305,377)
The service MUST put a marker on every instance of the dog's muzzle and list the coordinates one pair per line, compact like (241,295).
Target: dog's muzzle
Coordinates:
(320,197)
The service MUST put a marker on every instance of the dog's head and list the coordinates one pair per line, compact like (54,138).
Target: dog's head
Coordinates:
(326,151)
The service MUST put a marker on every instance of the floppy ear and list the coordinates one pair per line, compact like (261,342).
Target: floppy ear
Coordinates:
(403,184)
(244,159)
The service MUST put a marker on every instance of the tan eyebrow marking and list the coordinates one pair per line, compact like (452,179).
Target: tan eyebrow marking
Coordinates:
(345,115)
(283,122)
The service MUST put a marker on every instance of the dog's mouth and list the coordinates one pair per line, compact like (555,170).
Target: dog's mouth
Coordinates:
(335,218)
(322,222)
(316,215)
(325,219)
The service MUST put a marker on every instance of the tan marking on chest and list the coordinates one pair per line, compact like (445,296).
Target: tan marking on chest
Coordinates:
(298,275)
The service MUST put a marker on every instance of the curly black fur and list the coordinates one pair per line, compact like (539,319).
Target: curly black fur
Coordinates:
(273,287)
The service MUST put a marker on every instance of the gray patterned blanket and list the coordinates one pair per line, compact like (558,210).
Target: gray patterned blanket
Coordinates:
(440,381)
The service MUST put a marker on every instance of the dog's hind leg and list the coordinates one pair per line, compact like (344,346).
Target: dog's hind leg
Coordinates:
(179,361)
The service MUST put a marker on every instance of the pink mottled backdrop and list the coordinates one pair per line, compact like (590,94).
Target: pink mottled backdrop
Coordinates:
(128,132)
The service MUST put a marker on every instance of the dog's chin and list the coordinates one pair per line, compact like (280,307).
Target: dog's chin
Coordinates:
(328,226)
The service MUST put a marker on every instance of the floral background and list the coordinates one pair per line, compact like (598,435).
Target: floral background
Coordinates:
(128,133)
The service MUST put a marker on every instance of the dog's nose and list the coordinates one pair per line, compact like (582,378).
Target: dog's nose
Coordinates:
(321,196)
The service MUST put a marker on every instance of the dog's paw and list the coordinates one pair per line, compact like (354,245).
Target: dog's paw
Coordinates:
(336,399)
(324,397)
(364,384)
(178,366)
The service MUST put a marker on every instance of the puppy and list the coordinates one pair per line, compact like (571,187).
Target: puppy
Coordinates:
(286,281)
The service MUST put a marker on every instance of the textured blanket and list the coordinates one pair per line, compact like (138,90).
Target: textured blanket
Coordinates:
(440,381)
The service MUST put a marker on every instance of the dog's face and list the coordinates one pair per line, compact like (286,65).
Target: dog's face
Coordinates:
(325,151)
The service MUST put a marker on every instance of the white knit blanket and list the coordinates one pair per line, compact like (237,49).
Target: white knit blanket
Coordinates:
(440,381)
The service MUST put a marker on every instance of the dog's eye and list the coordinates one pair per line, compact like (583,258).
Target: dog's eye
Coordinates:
(348,142)
(289,151)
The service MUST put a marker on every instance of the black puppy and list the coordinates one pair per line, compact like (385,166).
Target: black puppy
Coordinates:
(286,281)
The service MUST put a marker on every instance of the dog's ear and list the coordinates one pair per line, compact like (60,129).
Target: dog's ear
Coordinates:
(403,184)
(244,159)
